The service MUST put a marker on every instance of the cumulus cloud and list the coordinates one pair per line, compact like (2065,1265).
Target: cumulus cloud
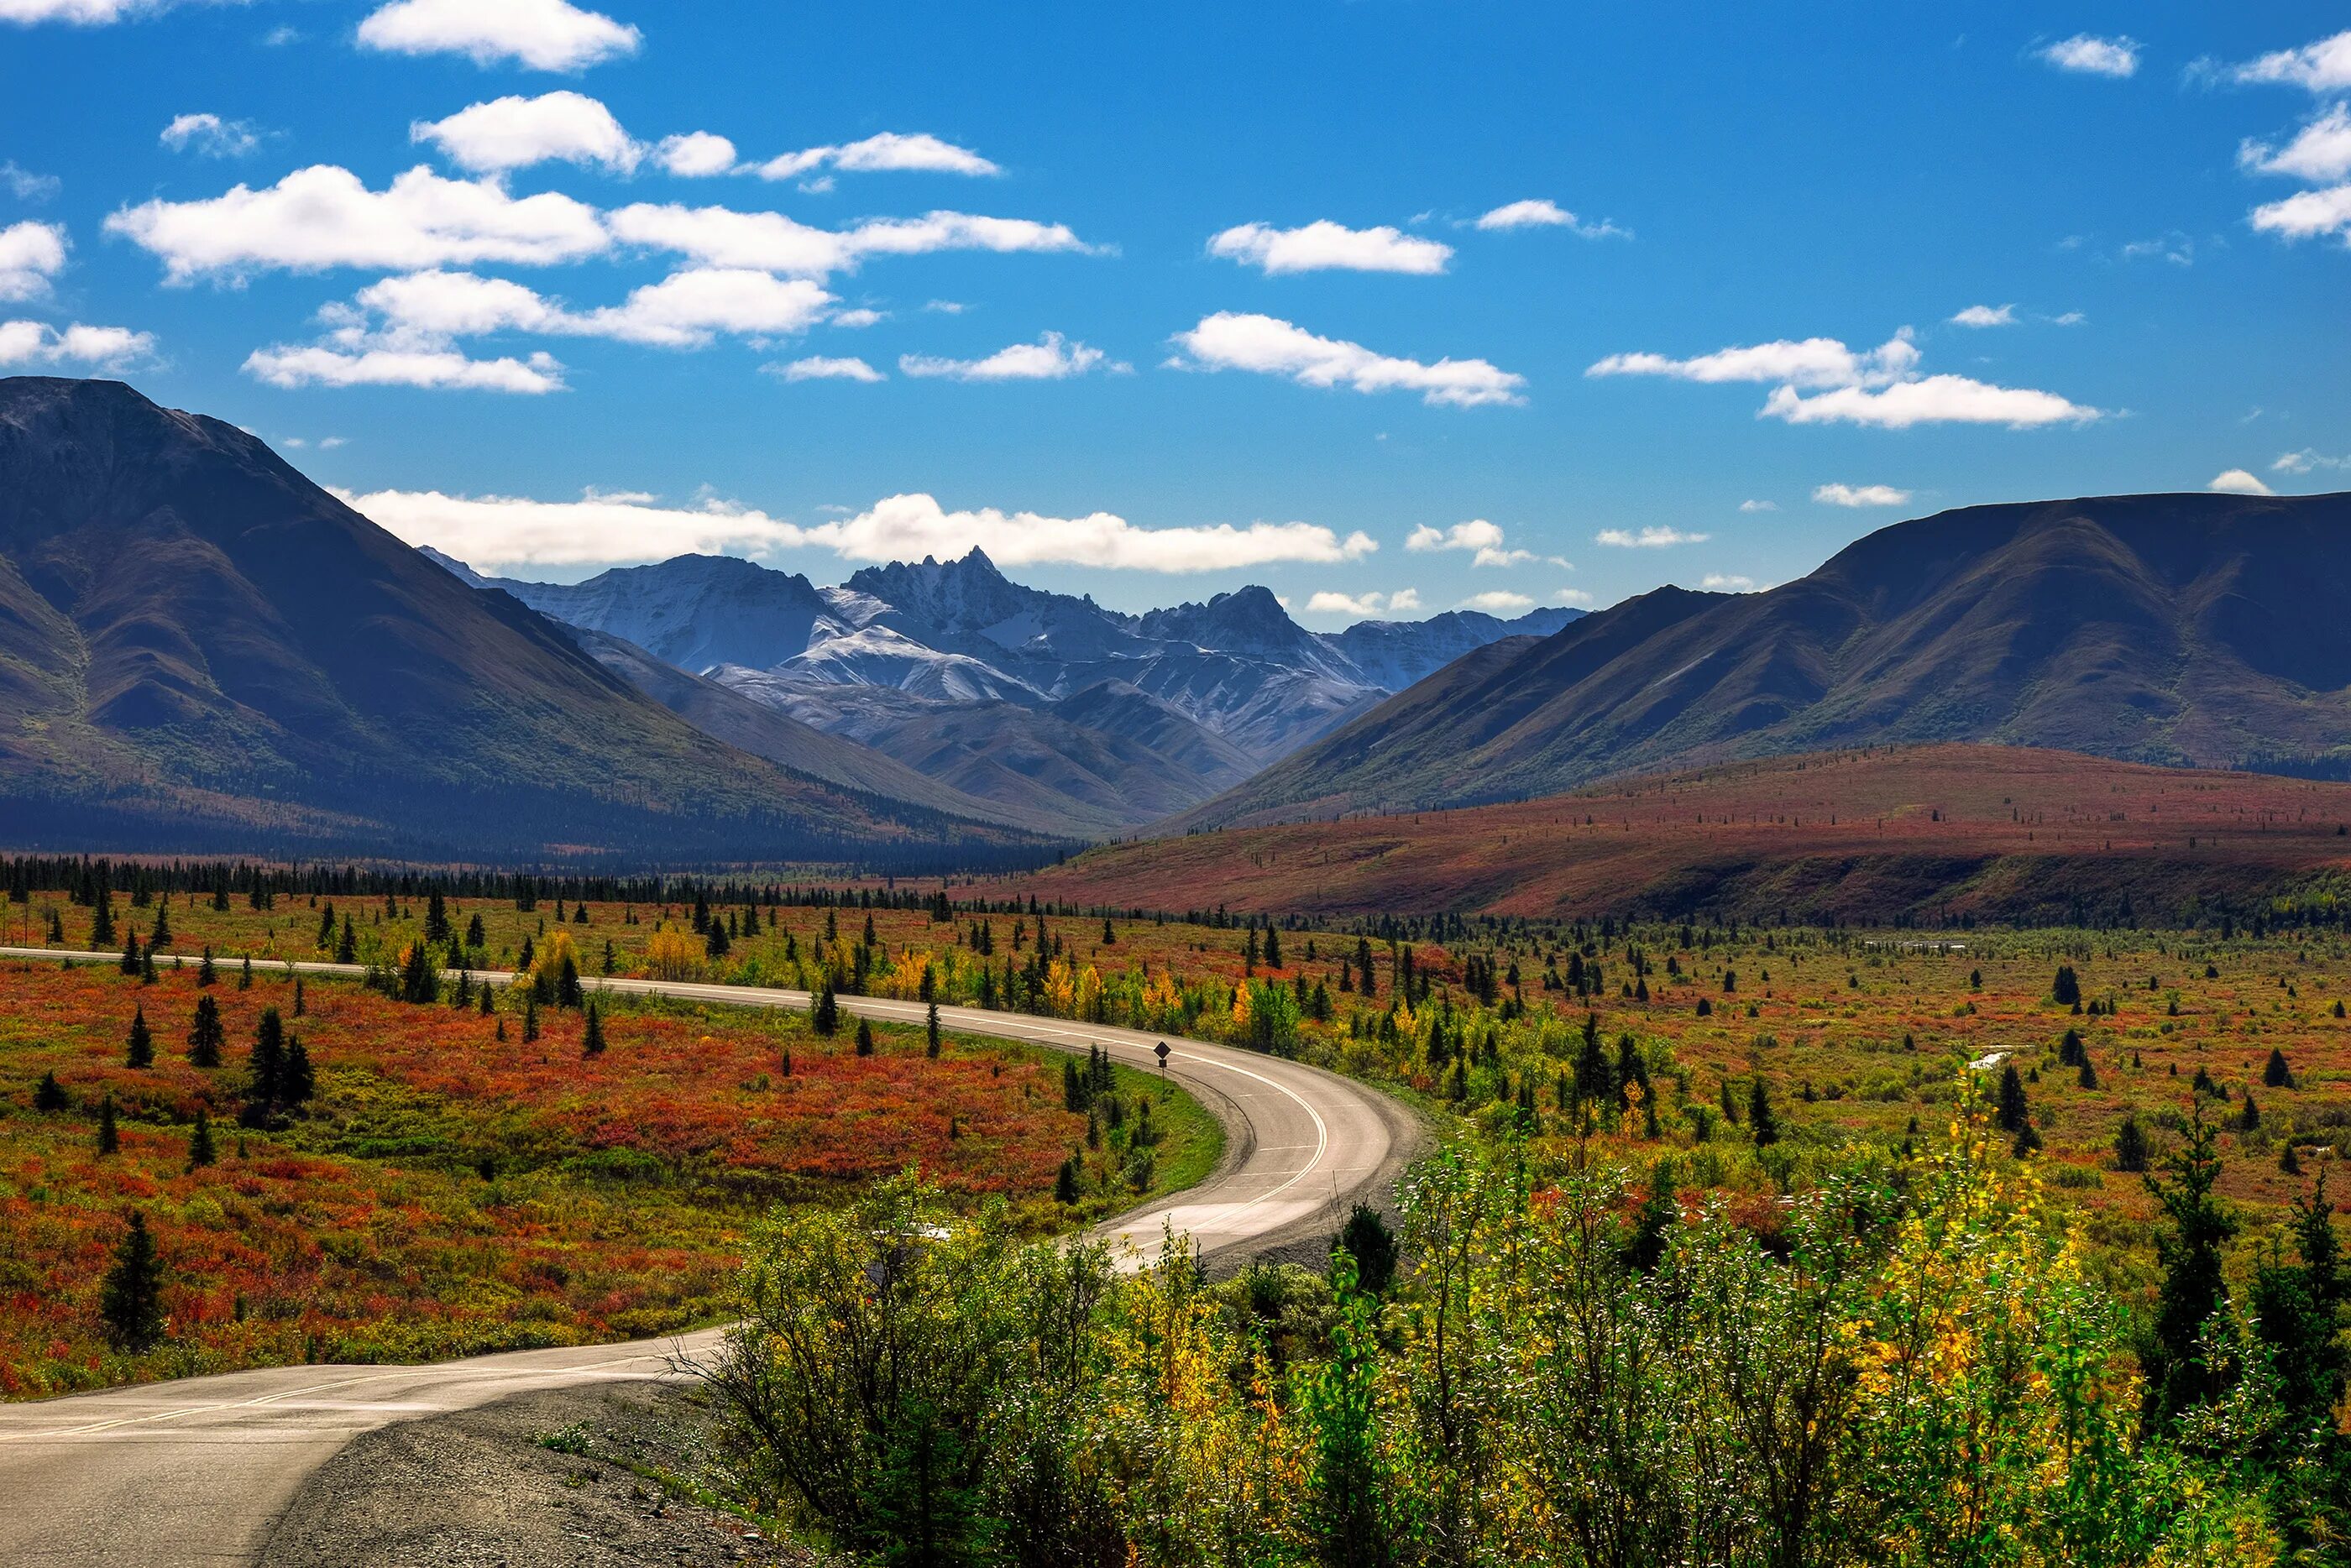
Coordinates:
(2092,55)
(1882,386)
(2306,459)
(889,150)
(503,531)
(31,254)
(1482,539)
(687,309)
(2319,151)
(2308,214)
(91,348)
(1647,538)
(75,13)
(210,136)
(1231,340)
(1499,601)
(860,317)
(1758,506)
(695,155)
(1051,357)
(1325,246)
(2237,482)
(819,368)
(1859,495)
(433,369)
(1727,583)
(2320,67)
(515,132)
(1576,597)
(545,34)
(1363,607)
(325,216)
(722,237)
(1986,315)
(1539,213)
(908,528)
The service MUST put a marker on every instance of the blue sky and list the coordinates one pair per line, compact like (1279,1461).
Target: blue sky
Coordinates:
(566,338)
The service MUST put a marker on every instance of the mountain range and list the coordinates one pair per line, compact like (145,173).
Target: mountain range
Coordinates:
(1045,707)
(2192,629)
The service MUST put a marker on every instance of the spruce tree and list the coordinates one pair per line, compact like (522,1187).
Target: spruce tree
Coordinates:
(205,973)
(2065,991)
(865,1038)
(130,952)
(2190,1247)
(101,929)
(299,1081)
(244,975)
(109,1139)
(49,1095)
(206,1036)
(1065,1183)
(2089,1076)
(931,1032)
(2014,1114)
(825,1017)
(568,990)
(267,1067)
(2130,1146)
(346,946)
(591,1044)
(141,1051)
(161,938)
(1763,1123)
(200,1143)
(132,1299)
(2276,1075)
(529,1019)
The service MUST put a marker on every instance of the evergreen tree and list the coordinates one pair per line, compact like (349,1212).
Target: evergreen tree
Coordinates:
(201,1152)
(2276,1075)
(346,946)
(109,1139)
(474,937)
(161,938)
(267,1067)
(132,1299)
(49,1095)
(302,1003)
(101,929)
(2069,1050)
(1660,1212)
(1594,1081)
(206,1036)
(2130,1146)
(244,975)
(591,1043)
(825,1016)
(567,990)
(2014,1114)
(715,941)
(2298,1314)
(1763,1123)
(141,1052)
(2190,1247)
(1367,1240)
(529,1019)
(1346,1504)
(205,973)
(1273,947)
(2065,991)
(130,952)
(418,983)
(298,1082)
(2089,1076)
(865,1038)
(436,920)
(1065,1183)
(931,1032)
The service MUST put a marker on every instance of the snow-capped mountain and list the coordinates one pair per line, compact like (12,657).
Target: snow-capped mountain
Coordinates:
(1013,694)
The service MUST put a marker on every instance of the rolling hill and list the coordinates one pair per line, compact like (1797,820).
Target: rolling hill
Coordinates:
(2195,629)
(201,648)
(1883,836)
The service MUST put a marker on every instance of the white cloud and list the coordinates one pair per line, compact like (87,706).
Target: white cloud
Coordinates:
(1758,506)
(819,368)
(1647,538)
(1050,358)
(1481,538)
(500,531)
(2071,319)
(2320,151)
(2237,482)
(1539,213)
(889,150)
(515,132)
(2094,56)
(695,155)
(31,254)
(27,186)
(1362,606)
(1934,399)
(860,317)
(684,310)
(1813,362)
(1323,246)
(1882,386)
(434,369)
(94,347)
(946,307)
(324,216)
(210,136)
(545,34)
(908,528)
(2306,214)
(75,13)
(1404,600)
(2172,246)
(1859,495)
(2322,66)
(1499,601)
(2306,459)
(1986,315)
(1726,583)
(1576,597)
(722,237)
(1231,340)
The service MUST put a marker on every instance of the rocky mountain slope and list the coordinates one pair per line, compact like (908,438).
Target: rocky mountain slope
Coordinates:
(199,646)
(2201,629)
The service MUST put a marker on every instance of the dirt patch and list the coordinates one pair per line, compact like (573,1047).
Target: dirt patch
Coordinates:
(599,1476)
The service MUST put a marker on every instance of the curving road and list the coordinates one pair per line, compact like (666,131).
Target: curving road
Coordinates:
(198,1471)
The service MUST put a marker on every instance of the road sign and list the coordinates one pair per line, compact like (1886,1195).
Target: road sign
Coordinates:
(1160,1050)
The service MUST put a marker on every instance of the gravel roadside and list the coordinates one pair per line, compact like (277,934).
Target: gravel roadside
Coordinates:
(553,1479)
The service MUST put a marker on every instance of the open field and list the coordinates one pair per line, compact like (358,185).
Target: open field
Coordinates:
(455,1186)
(1880,836)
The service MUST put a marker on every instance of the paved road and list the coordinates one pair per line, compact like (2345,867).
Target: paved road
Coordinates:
(197,1472)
